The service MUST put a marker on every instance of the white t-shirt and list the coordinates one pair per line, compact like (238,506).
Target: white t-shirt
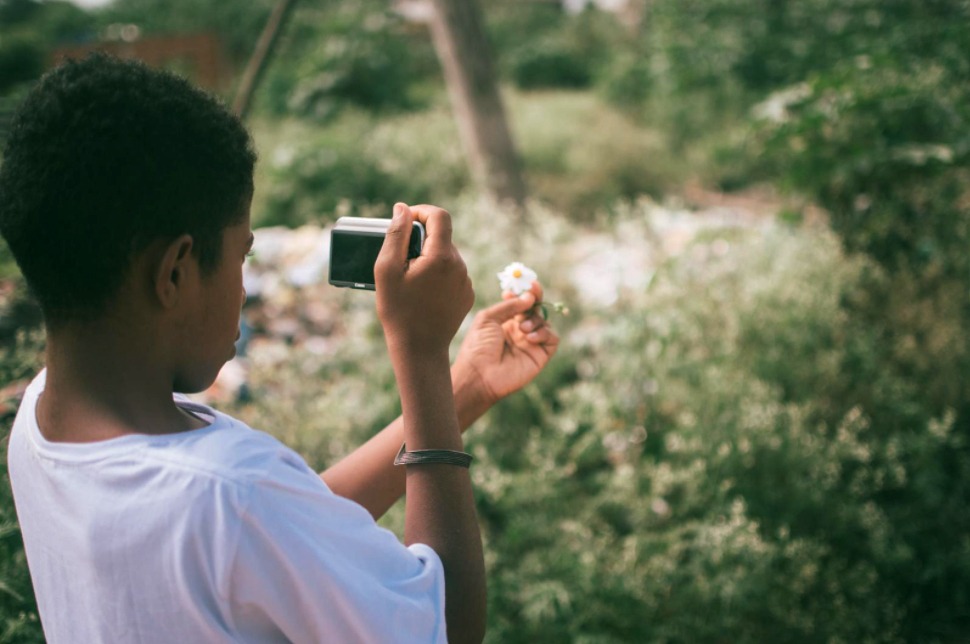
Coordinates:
(220,534)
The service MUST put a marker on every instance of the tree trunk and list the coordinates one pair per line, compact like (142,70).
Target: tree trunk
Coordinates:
(259,59)
(458,33)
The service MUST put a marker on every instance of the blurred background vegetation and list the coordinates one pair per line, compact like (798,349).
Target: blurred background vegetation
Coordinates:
(766,438)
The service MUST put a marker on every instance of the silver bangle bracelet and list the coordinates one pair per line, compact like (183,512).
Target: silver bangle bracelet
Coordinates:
(432,457)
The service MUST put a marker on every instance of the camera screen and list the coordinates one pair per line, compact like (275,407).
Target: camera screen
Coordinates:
(352,257)
(353,253)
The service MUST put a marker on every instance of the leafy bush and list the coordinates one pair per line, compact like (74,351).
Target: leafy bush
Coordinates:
(581,155)
(731,454)
(887,152)
(882,141)
(703,458)
(311,187)
(550,64)
(351,54)
(31,30)
(546,48)
(767,443)
(628,80)
(21,60)
(19,621)
(358,164)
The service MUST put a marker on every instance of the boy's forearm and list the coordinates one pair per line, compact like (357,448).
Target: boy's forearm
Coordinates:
(440,508)
(440,511)
(367,475)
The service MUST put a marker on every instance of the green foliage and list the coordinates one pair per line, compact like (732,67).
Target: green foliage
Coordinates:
(873,120)
(346,54)
(549,64)
(733,454)
(560,51)
(21,60)
(768,443)
(628,80)
(887,152)
(882,141)
(19,315)
(582,155)
(311,186)
(19,621)
(15,11)
(358,66)
(21,350)
(31,30)
(54,22)
(673,74)
(766,44)
(358,164)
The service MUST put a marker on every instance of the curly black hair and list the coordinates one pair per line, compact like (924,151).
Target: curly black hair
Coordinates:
(105,156)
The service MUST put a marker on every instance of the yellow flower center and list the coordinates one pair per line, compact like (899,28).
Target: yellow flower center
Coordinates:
(516,273)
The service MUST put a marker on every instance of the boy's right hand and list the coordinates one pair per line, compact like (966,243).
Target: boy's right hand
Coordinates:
(421,302)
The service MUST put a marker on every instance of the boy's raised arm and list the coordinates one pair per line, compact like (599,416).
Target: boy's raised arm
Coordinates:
(421,303)
(508,344)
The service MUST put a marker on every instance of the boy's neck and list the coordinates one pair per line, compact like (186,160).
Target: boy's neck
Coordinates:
(104,381)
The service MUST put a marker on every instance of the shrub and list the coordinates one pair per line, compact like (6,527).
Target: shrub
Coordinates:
(21,60)
(546,48)
(317,181)
(550,64)
(627,81)
(884,151)
(880,141)
(729,454)
(19,621)
(350,54)
(358,164)
(717,461)
(582,155)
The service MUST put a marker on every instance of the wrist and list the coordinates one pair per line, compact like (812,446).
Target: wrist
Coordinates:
(407,354)
(427,400)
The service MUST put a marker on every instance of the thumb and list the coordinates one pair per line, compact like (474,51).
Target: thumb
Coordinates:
(395,248)
(507,309)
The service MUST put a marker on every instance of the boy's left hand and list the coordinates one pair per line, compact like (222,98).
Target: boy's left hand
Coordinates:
(508,345)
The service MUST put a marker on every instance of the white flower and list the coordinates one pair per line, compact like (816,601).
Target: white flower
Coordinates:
(517,277)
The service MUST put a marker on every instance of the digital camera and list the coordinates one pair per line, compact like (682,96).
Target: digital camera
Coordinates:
(355,243)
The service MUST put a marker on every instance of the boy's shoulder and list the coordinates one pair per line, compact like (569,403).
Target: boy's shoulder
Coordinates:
(226,448)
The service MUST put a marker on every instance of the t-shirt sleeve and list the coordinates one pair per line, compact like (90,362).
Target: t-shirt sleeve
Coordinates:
(311,566)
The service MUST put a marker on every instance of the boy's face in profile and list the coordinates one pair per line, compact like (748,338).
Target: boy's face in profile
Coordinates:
(211,325)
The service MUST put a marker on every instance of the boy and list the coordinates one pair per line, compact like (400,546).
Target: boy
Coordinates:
(124,197)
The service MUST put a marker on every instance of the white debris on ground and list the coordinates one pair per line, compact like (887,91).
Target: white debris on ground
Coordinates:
(607,265)
(284,257)
(290,303)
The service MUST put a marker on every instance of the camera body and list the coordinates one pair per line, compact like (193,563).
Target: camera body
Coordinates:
(355,243)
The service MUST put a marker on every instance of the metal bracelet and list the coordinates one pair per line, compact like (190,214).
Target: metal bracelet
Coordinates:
(432,457)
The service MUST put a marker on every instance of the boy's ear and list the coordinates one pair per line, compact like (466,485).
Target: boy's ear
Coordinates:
(172,269)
